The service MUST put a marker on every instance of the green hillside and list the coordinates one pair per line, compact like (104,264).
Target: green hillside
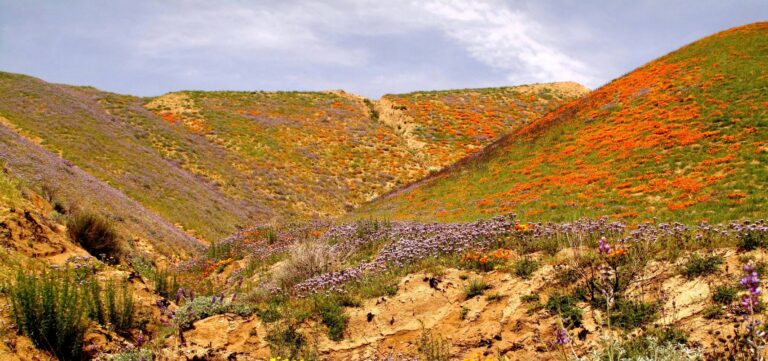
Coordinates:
(680,138)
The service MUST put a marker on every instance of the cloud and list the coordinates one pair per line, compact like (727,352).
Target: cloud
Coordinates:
(489,31)
(287,33)
(507,39)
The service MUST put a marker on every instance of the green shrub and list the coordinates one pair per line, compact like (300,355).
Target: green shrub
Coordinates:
(475,288)
(565,306)
(199,308)
(751,239)
(111,304)
(698,266)
(724,294)
(332,315)
(533,297)
(525,267)
(96,234)
(629,314)
(50,309)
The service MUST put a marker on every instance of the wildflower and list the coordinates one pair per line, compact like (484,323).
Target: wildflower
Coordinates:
(603,246)
(561,337)
(140,340)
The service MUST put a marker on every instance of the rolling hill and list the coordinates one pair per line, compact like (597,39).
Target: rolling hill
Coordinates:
(681,138)
(209,163)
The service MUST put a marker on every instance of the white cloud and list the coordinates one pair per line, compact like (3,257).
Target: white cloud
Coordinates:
(507,39)
(306,33)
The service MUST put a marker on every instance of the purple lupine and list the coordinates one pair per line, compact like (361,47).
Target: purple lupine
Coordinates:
(603,246)
(179,294)
(751,281)
(561,337)
(140,340)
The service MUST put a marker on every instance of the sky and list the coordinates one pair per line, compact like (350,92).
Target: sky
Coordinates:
(371,48)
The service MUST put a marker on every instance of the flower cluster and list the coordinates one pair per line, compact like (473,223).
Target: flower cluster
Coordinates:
(751,281)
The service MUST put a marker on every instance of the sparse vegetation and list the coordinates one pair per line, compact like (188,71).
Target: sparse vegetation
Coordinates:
(698,266)
(96,234)
(474,288)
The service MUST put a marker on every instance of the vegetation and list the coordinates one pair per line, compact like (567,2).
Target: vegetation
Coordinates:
(668,141)
(96,234)
(474,288)
(698,266)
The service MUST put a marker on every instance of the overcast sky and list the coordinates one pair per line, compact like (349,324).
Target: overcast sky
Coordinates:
(366,47)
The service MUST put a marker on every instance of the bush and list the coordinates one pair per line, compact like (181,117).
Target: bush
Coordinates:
(96,234)
(724,294)
(110,305)
(533,297)
(525,267)
(751,239)
(565,306)
(307,260)
(332,314)
(629,314)
(286,341)
(50,310)
(199,308)
(433,348)
(475,288)
(698,266)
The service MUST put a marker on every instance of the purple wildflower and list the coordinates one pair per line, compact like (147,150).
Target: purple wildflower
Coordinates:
(561,337)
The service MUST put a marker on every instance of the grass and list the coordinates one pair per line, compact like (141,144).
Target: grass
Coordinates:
(474,288)
(525,267)
(724,294)
(630,314)
(565,307)
(95,234)
(51,311)
(53,308)
(699,266)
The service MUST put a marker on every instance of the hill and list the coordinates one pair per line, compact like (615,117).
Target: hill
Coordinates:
(212,162)
(680,138)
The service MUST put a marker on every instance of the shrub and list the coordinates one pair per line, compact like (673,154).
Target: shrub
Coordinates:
(646,349)
(141,354)
(111,304)
(565,306)
(724,294)
(94,233)
(199,308)
(50,310)
(533,297)
(463,312)
(332,314)
(712,312)
(494,297)
(629,314)
(525,267)
(475,288)
(286,341)
(750,239)
(698,266)
(307,260)
(433,348)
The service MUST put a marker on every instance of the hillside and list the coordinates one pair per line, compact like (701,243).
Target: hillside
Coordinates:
(681,138)
(212,162)
(448,125)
